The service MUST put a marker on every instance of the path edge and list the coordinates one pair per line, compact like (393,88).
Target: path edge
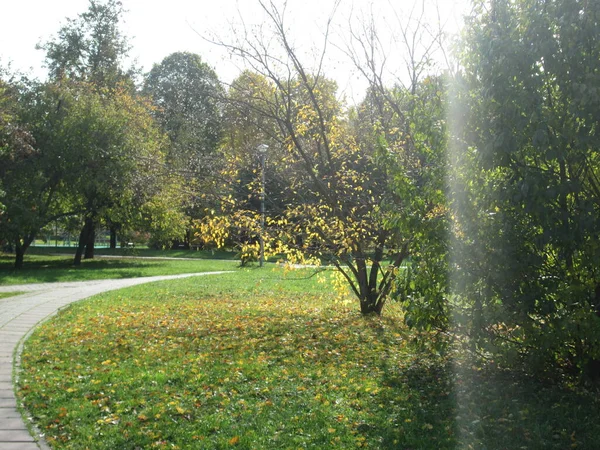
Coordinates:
(35,432)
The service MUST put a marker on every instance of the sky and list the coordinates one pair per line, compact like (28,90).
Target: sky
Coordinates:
(157,28)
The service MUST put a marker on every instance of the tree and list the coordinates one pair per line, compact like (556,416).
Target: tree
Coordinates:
(91,47)
(341,195)
(236,190)
(33,166)
(12,138)
(91,50)
(526,253)
(119,154)
(188,96)
(246,125)
(405,110)
(18,159)
(406,127)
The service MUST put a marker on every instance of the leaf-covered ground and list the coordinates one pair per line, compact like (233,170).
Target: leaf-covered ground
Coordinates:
(256,360)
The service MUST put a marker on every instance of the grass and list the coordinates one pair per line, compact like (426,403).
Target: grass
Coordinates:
(141,252)
(10,294)
(46,268)
(259,360)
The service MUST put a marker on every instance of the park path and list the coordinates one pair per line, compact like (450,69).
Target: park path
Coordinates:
(18,316)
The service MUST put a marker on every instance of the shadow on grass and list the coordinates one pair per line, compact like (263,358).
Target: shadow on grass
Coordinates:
(500,410)
(139,252)
(52,269)
(428,401)
(448,407)
(432,402)
(418,408)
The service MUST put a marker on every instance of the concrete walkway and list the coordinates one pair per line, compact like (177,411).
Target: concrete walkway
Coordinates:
(18,316)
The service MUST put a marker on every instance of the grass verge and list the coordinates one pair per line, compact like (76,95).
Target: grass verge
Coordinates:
(252,360)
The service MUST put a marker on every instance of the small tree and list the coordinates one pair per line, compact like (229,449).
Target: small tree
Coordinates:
(342,191)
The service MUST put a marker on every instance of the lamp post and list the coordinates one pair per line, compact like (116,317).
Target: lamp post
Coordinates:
(262,153)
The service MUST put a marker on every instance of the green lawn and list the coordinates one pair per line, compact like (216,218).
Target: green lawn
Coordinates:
(47,268)
(260,360)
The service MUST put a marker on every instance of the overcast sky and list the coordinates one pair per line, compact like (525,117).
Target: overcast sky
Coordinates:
(157,28)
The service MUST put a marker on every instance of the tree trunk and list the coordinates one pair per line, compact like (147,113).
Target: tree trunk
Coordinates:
(113,236)
(83,239)
(90,241)
(371,300)
(370,306)
(19,257)
(20,249)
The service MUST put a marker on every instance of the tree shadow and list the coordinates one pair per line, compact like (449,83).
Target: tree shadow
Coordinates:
(61,268)
(438,403)
(503,409)
(417,405)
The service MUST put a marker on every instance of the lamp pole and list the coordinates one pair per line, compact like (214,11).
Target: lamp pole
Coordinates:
(262,152)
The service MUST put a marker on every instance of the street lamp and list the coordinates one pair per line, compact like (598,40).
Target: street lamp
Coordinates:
(262,153)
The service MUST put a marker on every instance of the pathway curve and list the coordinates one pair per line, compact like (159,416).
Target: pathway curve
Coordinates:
(18,316)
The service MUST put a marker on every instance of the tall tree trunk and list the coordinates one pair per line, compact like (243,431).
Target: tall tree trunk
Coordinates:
(113,236)
(90,241)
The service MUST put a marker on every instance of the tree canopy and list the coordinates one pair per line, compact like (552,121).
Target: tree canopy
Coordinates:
(90,47)
(188,96)
(471,195)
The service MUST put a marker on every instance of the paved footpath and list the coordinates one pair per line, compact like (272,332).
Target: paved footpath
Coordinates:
(18,316)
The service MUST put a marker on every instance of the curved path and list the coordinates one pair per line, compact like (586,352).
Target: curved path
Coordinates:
(18,316)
